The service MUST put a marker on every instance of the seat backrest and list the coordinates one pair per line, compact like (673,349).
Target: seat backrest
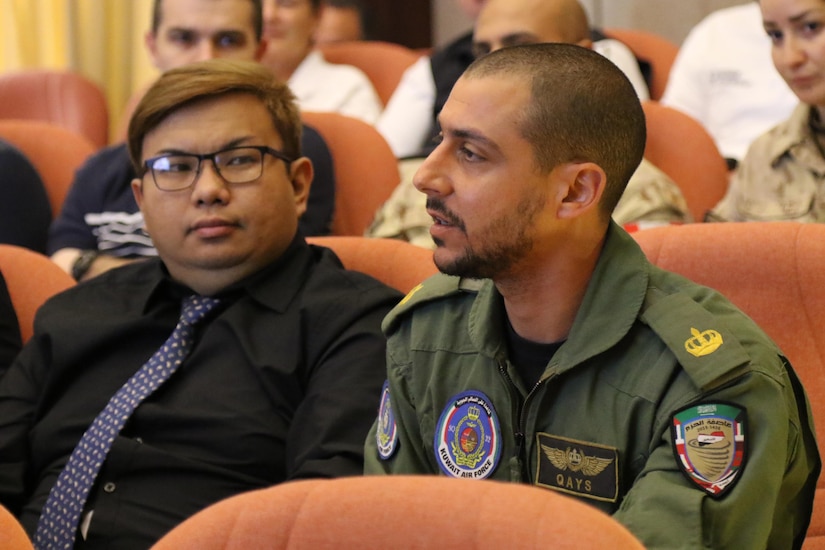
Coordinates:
(121,133)
(681,147)
(383,62)
(775,273)
(396,263)
(54,151)
(12,535)
(366,170)
(410,512)
(31,278)
(651,47)
(64,98)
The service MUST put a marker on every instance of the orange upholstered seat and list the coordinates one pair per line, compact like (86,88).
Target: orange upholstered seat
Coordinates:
(398,264)
(409,512)
(31,279)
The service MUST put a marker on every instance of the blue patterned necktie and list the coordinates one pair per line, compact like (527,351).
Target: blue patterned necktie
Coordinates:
(61,513)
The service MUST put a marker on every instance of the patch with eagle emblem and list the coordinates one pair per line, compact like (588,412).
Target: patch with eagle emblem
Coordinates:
(577,467)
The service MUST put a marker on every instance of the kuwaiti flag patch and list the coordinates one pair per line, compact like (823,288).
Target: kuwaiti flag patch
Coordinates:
(709,441)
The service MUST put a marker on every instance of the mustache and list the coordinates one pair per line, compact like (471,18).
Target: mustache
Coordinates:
(437,205)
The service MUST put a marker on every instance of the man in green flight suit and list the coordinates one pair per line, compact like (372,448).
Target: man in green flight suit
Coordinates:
(551,352)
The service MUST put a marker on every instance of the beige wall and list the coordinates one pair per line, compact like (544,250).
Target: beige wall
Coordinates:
(448,21)
(670,18)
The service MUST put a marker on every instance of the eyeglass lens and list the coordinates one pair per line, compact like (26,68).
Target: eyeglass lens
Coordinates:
(240,165)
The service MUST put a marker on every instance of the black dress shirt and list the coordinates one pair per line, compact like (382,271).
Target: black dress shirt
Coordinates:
(282,383)
(10,340)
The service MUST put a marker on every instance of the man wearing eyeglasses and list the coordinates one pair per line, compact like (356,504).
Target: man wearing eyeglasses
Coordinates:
(282,377)
(100,226)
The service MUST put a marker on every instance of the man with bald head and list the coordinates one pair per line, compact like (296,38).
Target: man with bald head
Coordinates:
(651,197)
(505,23)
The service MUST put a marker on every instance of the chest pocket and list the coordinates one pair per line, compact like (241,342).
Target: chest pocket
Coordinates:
(790,192)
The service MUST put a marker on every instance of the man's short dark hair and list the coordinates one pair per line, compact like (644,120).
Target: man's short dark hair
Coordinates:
(257,17)
(583,109)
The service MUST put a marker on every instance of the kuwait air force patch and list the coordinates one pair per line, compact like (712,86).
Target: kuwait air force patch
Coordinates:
(386,434)
(468,437)
(709,442)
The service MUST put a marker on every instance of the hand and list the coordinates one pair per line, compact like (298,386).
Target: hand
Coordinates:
(105,262)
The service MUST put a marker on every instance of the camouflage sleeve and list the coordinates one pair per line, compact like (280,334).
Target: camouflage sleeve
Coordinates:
(404,215)
(651,196)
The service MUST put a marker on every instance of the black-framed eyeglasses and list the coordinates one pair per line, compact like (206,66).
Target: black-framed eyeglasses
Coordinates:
(243,164)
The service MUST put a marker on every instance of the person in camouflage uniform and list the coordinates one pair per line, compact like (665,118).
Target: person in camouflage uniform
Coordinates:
(783,172)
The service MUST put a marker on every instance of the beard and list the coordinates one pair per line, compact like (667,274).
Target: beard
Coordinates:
(501,244)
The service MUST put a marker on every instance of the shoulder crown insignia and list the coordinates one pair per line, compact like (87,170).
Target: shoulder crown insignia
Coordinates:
(703,343)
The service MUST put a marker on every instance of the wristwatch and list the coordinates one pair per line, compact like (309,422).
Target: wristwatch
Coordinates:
(83,262)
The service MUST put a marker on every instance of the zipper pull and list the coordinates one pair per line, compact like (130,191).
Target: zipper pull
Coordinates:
(516,461)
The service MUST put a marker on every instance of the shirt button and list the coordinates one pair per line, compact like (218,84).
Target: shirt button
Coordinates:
(139,439)
(109,487)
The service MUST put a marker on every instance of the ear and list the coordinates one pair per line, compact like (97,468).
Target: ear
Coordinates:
(150,40)
(301,173)
(320,13)
(261,49)
(137,191)
(585,184)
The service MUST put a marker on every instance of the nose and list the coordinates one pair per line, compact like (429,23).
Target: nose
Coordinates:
(431,177)
(206,50)
(209,187)
(270,9)
(790,53)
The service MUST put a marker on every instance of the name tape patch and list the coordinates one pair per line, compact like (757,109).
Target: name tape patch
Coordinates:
(577,467)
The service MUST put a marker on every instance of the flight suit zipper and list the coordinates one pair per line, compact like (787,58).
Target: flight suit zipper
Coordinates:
(518,460)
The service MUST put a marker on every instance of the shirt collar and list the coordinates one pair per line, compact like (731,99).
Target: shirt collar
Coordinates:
(794,138)
(274,286)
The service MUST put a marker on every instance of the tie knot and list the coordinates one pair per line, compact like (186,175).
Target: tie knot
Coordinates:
(196,307)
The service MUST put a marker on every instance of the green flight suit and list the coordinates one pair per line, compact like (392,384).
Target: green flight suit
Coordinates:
(600,425)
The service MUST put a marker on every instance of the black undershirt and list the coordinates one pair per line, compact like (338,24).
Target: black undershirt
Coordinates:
(529,358)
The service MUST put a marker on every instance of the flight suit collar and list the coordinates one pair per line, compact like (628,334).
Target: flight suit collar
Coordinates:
(611,305)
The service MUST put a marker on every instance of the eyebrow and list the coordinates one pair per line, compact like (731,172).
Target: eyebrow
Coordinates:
(232,143)
(512,39)
(472,135)
(518,38)
(199,32)
(793,19)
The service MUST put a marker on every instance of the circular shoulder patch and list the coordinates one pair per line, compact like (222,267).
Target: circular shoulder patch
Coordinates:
(468,438)
(386,436)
